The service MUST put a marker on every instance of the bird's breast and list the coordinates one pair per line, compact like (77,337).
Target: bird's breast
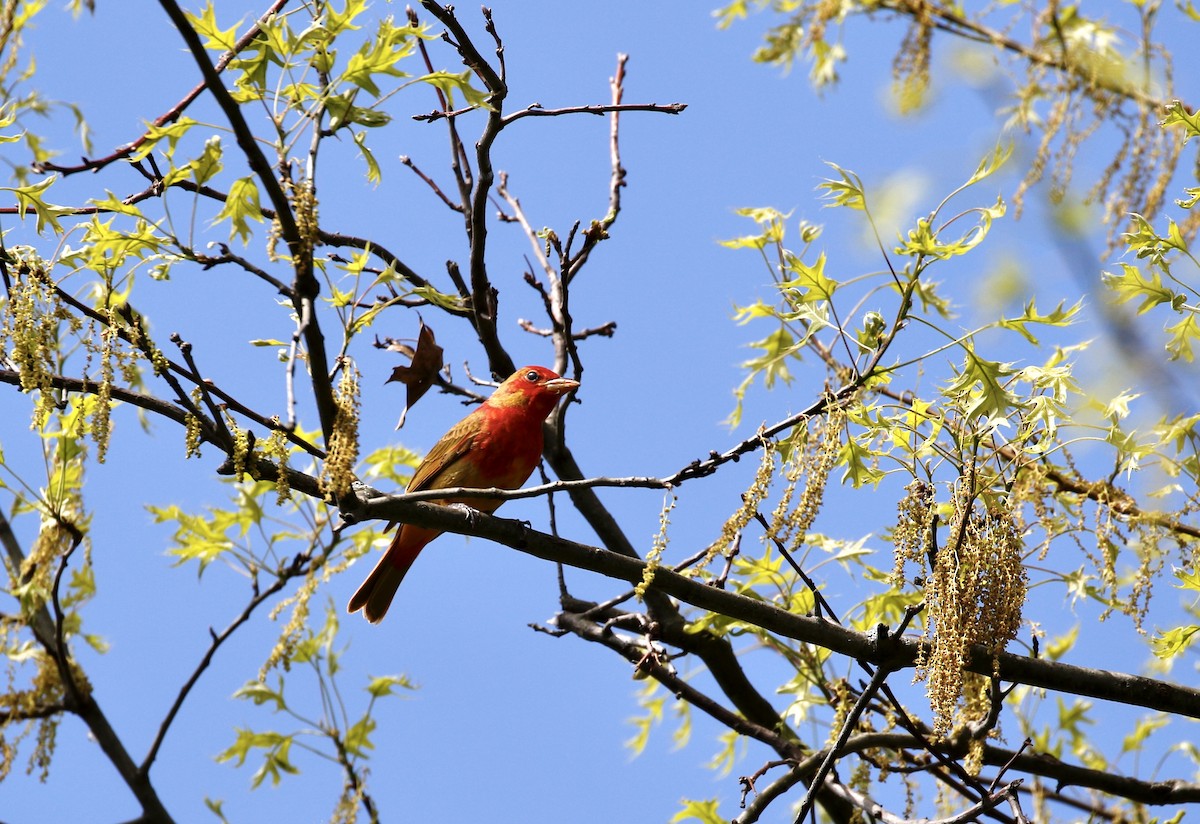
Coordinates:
(508,453)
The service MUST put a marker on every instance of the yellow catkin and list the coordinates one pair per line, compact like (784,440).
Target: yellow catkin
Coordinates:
(751,499)
(976,703)
(817,466)
(338,472)
(192,427)
(912,531)
(102,410)
(910,69)
(241,447)
(53,541)
(292,632)
(277,450)
(289,637)
(974,596)
(304,206)
(657,548)
(29,330)
(842,701)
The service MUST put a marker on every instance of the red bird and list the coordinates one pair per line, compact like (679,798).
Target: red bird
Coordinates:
(498,445)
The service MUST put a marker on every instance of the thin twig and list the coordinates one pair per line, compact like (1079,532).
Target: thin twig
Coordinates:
(536,110)
(172,114)
(834,752)
(299,566)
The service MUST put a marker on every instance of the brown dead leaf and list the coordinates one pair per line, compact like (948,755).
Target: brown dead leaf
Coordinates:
(419,375)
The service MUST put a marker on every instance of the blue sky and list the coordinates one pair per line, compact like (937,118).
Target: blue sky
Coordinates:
(509,724)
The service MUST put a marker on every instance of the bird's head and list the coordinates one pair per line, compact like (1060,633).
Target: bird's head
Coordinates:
(535,387)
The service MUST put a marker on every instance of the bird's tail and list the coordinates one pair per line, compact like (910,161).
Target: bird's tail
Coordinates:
(376,593)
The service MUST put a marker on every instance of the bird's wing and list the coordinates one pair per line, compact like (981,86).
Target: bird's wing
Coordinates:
(451,449)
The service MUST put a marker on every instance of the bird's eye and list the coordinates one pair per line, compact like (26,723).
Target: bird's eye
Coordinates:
(532,376)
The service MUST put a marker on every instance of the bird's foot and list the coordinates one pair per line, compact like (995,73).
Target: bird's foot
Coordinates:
(471,513)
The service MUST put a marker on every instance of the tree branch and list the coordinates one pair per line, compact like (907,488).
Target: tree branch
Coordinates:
(172,114)
(298,566)
(306,286)
(483,294)
(896,653)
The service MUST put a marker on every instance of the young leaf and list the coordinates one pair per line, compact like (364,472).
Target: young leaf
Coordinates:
(241,206)
(703,811)
(846,192)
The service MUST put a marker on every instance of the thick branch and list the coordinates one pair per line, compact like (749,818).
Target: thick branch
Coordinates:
(679,687)
(483,295)
(899,653)
(306,285)
(79,698)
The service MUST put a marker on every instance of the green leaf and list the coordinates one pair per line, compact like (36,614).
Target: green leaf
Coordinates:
(171,132)
(260,694)
(1133,742)
(723,760)
(8,116)
(1172,642)
(1132,283)
(1193,197)
(810,282)
(241,206)
(847,191)
(994,160)
(358,737)
(114,204)
(343,112)
(449,83)
(1144,241)
(201,169)
(29,199)
(979,387)
(384,685)
(388,463)
(1056,648)
(1182,334)
(441,300)
(378,56)
(1188,580)
(644,723)
(339,297)
(200,538)
(276,760)
(925,241)
(1177,114)
(862,468)
(703,811)
(215,807)
(1057,317)
(770,221)
(205,24)
(339,21)
(374,175)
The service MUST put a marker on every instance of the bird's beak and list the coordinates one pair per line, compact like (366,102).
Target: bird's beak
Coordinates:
(560,386)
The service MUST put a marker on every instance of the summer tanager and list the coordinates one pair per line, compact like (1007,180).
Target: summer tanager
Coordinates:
(498,445)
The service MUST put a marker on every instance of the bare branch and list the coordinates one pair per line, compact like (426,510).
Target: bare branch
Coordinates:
(483,294)
(298,566)
(536,110)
